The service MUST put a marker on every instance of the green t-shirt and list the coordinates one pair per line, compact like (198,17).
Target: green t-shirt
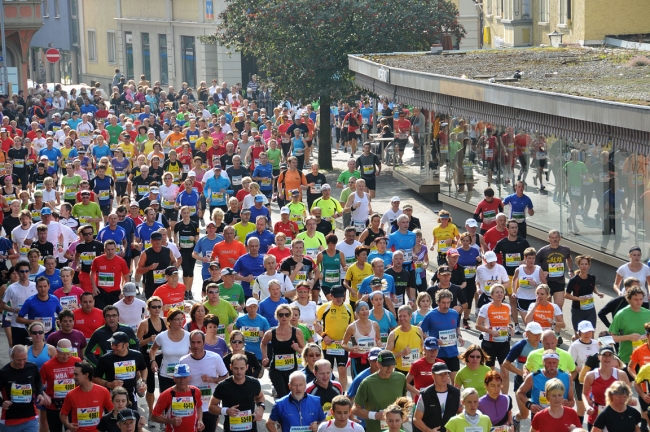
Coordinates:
(114,133)
(242,231)
(459,424)
(473,378)
(213,109)
(226,314)
(70,187)
(454,146)
(534,361)
(329,207)
(376,393)
(312,244)
(345,194)
(626,322)
(574,172)
(91,210)
(234,295)
(275,157)
(344,177)
(306,333)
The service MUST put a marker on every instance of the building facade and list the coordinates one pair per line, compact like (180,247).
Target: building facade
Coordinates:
(22,20)
(157,38)
(516,23)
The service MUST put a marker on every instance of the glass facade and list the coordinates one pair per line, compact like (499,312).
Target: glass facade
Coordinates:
(189,60)
(146,55)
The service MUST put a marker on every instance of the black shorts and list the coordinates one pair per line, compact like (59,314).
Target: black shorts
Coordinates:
(453,363)
(555,286)
(344,135)
(523,304)
(578,389)
(106,210)
(371,183)
(309,143)
(541,163)
(341,360)
(495,351)
(171,214)
(401,143)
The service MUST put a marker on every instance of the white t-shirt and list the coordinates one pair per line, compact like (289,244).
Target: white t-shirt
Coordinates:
(249,201)
(18,235)
(212,365)
(172,247)
(390,216)
(15,296)
(53,233)
(580,351)
(641,275)
(69,237)
(486,277)
(210,173)
(307,313)
(133,314)
(172,352)
(261,284)
(329,426)
(348,251)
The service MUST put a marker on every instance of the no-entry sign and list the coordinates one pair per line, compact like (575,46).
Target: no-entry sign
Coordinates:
(53,55)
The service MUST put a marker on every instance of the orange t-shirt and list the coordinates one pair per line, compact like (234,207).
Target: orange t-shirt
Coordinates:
(87,408)
(545,316)
(174,138)
(292,180)
(498,317)
(641,355)
(171,297)
(224,253)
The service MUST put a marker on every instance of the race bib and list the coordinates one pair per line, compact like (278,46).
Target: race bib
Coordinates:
(359,226)
(184,242)
(447,338)
(124,370)
(251,334)
(221,330)
(47,322)
(408,256)
(69,302)
(284,362)
(192,210)
(182,406)
(470,272)
(365,344)
(21,393)
(489,153)
(87,258)
(409,359)
(121,176)
(332,276)
(540,155)
(368,169)
(513,260)
(88,417)
(62,387)
(70,192)
(316,188)
(217,196)
(587,304)
(266,182)
(543,401)
(143,189)
(384,338)
(443,245)
(206,392)
(335,349)
(636,344)
(23,251)
(503,334)
(603,177)
(489,216)
(106,279)
(576,191)
(242,421)
(556,269)
(104,195)
(159,277)
(19,163)
(168,204)
(236,181)
(519,216)
(169,369)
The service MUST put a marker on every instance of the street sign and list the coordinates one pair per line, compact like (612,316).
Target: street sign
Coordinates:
(52,55)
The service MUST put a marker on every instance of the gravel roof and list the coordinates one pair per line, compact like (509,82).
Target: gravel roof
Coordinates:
(600,73)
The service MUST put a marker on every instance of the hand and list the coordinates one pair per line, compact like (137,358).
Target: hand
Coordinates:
(646,397)
(635,337)
(142,422)
(601,295)
(115,383)
(43,399)
(259,413)
(568,403)
(535,408)
(590,410)
(154,367)
(265,362)
(232,411)
(313,427)
(177,421)
(95,291)
(298,266)
(199,424)
(633,402)
(153,266)
(6,405)
(380,416)
(327,340)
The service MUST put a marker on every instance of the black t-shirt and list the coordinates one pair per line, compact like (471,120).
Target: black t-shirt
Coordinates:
(108,423)
(317,179)
(367,165)
(236,175)
(139,181)
(457,276)
(512,253)
(93,250)
(15,154)
(230,217)
(402,280)
(111,367)
(232,394)
(156,173)
(612,420)
(226,160)
(45,249)
(9,223)
(27,375)
(580,287)
(189,230)
(208,282)
(38,179)
(458,298)
(289,264)
(324,227)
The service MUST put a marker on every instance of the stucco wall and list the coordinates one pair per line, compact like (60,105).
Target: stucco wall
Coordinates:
(95,13)
(611,17)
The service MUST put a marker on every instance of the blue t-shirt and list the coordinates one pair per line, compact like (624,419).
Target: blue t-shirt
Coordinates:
(118,234)
(204,248)
(46,311)
(73,123)
(190,199)
(387,257)
(101,151)
(518,206)
(121,167)
(403,242)
(267,309)
(192,137)
(260,324)
(366,115)
(468,258)
(53,157)
(262,211)
(298,147)
(5,245)
(129,230)
(247,265)
(215,184)
(102,187)
(386,323)
(443,326)
(519,352)
(365,287)
(55,280)
(265,171)
(144,231)
(266,238)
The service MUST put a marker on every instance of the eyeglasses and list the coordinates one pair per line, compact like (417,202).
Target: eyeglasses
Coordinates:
(88,233)
(155,306)
(213,292)
(284,315)
(236,342)
(23,271)
(37,332)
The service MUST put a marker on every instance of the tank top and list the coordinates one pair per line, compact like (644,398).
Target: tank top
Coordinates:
(598,388)
(526,290)
(539,384)
(155,278)
(360,215)
(256,155)
(41,359)
(331,269)
(372,236)
(150,332)
(9,196)
(403,339)
(365,342)
(49,195)
(284,357)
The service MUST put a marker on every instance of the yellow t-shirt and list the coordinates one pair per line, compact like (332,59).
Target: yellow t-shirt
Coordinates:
(148,147)
(445,237)
(335,319)
(355,276)
(208,141)
(643,378)
(242,231)
(328,208)
(129,150)
(411,339)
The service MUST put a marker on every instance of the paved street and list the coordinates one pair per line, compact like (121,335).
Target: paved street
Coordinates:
(387,187)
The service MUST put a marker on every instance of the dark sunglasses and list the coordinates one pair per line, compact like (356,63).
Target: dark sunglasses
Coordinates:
(37,332)
(23,271)
(236,342)
(284,315)
(88,233)
(213,292)
(156,307)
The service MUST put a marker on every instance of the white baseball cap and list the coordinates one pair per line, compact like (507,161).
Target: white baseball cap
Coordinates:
(471,223)
(490,256)
(534,328)
(585,326)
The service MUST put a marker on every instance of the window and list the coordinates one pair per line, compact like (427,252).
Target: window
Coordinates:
(189,60)
(56,9)
(73,8)
(489,7)
(46,8)
(92,45)
(543,11)
(565,11)
(507,9)
(146,56)
(128,45)
(162,55)
(112,47)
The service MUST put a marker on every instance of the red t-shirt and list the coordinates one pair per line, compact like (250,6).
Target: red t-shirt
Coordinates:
(137,221)
(241,194)
(87,408)
(171,297)
(68,300)
(279,255)
(544,422)
(422,375)
(108,273)
(492,237)
(488,212)
(164,403)
(197,185)
(88,323)
(92,196)
(281,227)
(57,378)
(402,126)
(521,143)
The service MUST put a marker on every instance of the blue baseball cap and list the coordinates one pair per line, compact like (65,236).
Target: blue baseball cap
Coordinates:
(46,211)
(431,343)
(374,353)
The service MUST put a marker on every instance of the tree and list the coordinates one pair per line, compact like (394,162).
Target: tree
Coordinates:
(303,46)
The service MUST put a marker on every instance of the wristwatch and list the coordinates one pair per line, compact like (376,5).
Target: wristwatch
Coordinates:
(261,404)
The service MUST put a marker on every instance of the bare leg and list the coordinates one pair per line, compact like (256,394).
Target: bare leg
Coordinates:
(343,376)
(558,299)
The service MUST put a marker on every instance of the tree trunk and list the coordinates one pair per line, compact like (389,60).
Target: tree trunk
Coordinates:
(325,134)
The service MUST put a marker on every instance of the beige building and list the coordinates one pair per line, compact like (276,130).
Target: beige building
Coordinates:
(514,23)
(157,38)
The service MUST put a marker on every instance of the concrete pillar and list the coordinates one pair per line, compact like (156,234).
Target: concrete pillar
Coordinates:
(57,70)
(48,71)
(74,73)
